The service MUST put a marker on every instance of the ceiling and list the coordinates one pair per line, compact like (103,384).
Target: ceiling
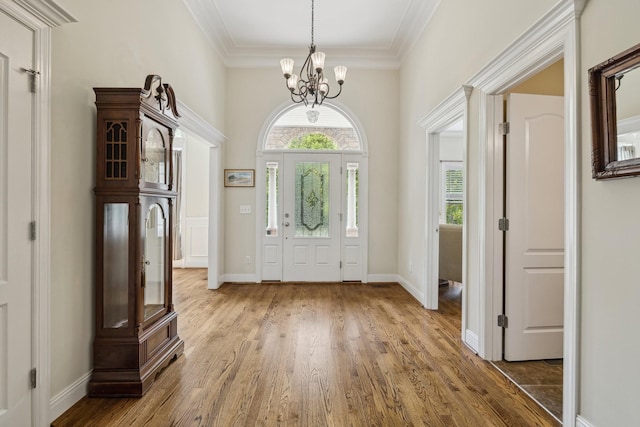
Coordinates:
(360,33)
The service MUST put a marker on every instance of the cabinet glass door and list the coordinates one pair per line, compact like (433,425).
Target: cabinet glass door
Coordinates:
(115,259)
(154,268)
(155,157)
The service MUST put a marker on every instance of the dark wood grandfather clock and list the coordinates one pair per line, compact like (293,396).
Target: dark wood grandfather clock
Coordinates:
(135,325)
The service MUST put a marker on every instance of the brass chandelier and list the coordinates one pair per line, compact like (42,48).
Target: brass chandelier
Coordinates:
(311,86)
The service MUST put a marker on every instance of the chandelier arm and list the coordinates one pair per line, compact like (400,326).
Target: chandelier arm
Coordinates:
(334,96)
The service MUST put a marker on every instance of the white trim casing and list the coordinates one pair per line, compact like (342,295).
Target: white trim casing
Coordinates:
(555,35)
(192,122)
(40,16)
(453,108)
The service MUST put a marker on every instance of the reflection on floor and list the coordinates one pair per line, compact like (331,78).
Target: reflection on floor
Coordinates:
(541,379)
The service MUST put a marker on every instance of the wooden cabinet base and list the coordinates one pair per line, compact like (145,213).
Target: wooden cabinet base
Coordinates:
(128,369)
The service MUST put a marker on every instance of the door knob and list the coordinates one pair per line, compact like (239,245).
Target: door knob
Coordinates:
(286,224)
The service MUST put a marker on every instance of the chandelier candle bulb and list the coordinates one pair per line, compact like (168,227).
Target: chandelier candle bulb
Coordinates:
(318,61)
(324,85)
(292,81)
(287,67)
(341,73)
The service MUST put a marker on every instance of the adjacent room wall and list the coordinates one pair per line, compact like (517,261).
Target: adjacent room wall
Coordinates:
(115,43)
(372,95)
(610,350)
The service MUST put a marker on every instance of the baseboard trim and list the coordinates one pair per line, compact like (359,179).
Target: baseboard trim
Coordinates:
(471,340)
(581,422)
(241,278)
(412,289)
(68,397)
(196,263)
(381,278)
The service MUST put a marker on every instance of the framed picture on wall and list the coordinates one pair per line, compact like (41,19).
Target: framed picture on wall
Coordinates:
(239,177)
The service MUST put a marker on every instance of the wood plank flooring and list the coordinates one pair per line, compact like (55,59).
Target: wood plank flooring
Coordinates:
(317,355)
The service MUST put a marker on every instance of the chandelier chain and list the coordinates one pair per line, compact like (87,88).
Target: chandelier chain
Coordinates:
(312,13)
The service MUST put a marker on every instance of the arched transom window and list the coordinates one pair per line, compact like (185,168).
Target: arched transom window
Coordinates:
(319,128)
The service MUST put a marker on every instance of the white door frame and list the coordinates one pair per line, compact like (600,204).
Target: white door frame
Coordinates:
(193,123)
(556,35)
(40,16)
(454,108)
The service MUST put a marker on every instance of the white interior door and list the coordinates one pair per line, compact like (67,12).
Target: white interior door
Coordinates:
(311,217)
(16,112)
(534,245)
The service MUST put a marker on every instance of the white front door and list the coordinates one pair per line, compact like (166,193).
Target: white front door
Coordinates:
(16,212)
(311,217)
(534,245)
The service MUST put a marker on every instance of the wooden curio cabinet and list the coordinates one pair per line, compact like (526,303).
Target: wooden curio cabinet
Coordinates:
(135,321)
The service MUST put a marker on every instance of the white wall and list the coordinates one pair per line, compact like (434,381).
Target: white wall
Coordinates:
(462,37)
(378,113)
(610,349)
(451,146)
(115,43)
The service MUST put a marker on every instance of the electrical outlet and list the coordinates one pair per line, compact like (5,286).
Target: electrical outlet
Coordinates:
(247,259)
(245,209)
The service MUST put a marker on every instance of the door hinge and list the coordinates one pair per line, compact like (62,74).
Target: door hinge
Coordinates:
(503,224)
(340,264)
(503,321)
(33,76)
(503,128)
(32,230)
(33,376)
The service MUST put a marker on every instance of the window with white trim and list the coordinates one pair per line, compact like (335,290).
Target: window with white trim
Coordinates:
(451,192)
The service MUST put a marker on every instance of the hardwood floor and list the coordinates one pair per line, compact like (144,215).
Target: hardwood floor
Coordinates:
(316,355)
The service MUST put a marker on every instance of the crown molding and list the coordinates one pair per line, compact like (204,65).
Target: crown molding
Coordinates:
(208,18)
(420,16)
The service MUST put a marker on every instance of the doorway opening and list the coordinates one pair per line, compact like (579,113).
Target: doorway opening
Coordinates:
(311,196)
(533,235)
(446,198)
(197,178)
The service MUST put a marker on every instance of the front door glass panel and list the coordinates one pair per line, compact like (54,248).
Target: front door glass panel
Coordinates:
(312,199)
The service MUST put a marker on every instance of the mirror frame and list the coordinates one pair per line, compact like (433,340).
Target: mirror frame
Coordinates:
(604,124)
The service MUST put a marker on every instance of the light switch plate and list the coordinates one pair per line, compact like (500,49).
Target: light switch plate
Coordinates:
(245,209)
